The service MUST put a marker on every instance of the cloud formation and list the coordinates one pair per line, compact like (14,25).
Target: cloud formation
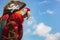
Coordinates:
(53,36)
(45,1)
(50,11)
(44,30)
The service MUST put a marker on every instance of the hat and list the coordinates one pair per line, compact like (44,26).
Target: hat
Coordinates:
(14,6)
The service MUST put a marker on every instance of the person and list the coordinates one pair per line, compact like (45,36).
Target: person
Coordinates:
(17,12)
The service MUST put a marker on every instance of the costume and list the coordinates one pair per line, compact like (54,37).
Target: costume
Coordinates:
(15,20)
(18,19)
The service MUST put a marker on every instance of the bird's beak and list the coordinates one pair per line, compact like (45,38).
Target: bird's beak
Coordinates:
(28,14)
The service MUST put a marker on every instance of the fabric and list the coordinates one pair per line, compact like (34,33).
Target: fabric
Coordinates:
(13,6)
(18,19)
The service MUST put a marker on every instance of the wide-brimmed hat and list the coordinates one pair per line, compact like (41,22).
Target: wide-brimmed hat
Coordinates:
(14,6)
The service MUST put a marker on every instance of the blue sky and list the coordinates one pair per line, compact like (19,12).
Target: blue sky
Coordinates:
(44,23)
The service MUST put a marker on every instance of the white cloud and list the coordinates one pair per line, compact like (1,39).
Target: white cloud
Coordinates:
(43,2)
(50,11)
(53,36)
(47,12)
(44,30)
